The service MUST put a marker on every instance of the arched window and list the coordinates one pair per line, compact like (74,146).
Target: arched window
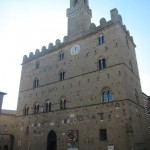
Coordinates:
(26,111)
(36,108)
(63,103)
(48,106)
(61,55)
(37,65)
(106,95)
(101,39)
(109,96)
(62,76)
(102,64)
(36,83)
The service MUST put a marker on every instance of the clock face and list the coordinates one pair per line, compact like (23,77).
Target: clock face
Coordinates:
(75,49)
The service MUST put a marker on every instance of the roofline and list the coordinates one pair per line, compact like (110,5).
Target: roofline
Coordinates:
(146,94)
(3,93)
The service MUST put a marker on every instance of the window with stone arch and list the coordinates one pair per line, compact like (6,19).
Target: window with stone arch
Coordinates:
(36,108)
(61,55)
(106,95)
(36,83)
(37,65)
(26,110)
(101,63)
(48,106)
(101,39)
(62,75)
(63,103)
(136,96)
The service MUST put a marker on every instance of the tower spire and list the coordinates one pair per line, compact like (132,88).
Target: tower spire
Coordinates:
(79,17)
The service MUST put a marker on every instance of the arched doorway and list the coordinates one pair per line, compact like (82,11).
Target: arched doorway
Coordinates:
(5,147)
(12,139)
(51,141)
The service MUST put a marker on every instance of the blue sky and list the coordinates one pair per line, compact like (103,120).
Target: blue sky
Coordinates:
(26,25)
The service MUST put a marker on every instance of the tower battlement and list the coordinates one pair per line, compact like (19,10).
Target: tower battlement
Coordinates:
(115,18)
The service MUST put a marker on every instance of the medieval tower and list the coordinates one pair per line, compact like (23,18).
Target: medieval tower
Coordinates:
(83,93)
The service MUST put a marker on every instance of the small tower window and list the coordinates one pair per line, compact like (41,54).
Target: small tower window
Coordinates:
(46,107)
(49,107)
(36,83)
(101,40)
(64,104)
(62,76)
(27,111)
(38,108)
(102,64)
(61,55)
(61,105)
(37,65)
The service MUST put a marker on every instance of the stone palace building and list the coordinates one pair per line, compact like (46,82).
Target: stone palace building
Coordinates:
(83,93)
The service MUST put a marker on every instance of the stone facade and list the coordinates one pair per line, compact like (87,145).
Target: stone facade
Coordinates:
(7,126)
(83,93)
(8,129)
(147,111)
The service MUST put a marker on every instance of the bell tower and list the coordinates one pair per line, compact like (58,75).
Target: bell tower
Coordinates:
(79,17)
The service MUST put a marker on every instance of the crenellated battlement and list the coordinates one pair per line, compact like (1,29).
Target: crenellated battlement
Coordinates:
(115,18)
